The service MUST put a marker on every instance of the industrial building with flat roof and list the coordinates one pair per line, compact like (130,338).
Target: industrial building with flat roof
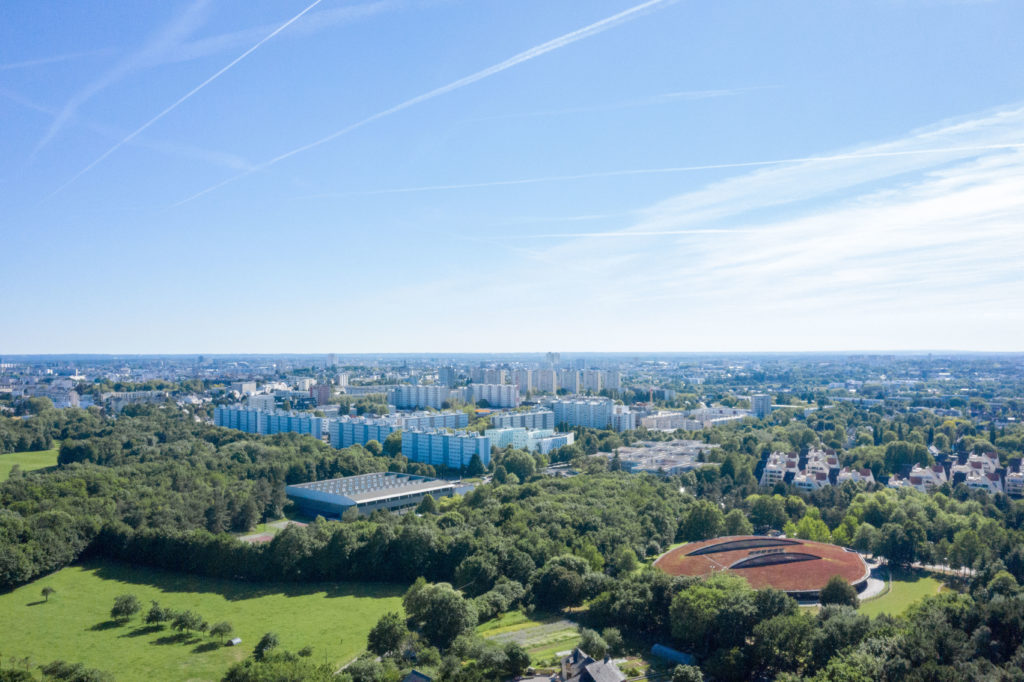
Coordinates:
(663,457)
(367,493)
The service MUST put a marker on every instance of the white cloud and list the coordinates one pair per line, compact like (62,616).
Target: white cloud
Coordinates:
(916,251)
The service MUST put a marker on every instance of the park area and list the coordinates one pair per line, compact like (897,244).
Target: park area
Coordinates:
(74,623)
(27,461)
(905,588)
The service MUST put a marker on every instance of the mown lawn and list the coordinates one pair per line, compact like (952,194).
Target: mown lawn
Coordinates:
(74,625)
(906,589)
(27,461)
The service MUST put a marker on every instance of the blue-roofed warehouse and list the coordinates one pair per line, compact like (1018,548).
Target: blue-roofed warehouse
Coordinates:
(367,492)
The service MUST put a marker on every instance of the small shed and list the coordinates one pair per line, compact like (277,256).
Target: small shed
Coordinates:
(235,641)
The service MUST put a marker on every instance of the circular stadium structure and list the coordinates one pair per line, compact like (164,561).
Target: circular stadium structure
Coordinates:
(798,567)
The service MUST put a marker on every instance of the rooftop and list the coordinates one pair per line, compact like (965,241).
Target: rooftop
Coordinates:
(370,487)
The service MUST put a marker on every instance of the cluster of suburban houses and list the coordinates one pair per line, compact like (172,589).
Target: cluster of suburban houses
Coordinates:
(820,468)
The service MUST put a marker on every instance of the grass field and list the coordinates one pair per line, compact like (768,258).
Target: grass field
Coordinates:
(75,625)
(906,589)
(28,461)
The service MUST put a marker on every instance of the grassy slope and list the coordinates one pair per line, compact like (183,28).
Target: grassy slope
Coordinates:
(906,589)
(28,461)
(334,618)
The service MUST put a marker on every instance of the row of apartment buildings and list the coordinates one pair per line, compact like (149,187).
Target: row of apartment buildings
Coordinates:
(539,380)
(418,396)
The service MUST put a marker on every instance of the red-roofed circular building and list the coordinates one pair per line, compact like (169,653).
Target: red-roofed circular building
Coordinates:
(799,567)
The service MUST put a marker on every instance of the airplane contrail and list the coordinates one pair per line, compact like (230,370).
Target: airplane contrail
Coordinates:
(670,169)
(181,100)
(532,53)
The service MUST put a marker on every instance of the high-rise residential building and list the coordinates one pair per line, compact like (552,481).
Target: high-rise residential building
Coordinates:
(595,413)
(263,402)
(593,380)
(257,421)
(569,380)
(579,363)
(523,380)
(446,376)
(343,379)
(554,359)
(496,395)
(623,419)
(332,360)
(347,431)
(546,380)
(410,397)
(321,393)
(494,376)
(535,419)
(454,419)
(451,449)
(761,405)
(613,380)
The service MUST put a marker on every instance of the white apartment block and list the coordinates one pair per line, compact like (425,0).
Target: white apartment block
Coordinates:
(546,380)
(990,482)
(408,396)
(811,481)
(778,465)
(924,479)
(623,419)
(497,395)
(264,403)
(976,464)
(569,380)
(534,419)
(593,380)
(855,475)
(1015,483)
(523,380)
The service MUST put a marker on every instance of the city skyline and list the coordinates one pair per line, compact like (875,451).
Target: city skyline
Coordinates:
(635,177)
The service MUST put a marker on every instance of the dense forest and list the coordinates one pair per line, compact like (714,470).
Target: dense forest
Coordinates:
(155,486)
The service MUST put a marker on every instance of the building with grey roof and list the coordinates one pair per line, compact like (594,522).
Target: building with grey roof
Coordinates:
(366,492)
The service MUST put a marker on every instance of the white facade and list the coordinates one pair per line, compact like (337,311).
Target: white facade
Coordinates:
(497,395)
(407,397)
(546,380)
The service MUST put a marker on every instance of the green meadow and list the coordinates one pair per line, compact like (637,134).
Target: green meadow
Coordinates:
(75,625)
(906,589)
(27,461)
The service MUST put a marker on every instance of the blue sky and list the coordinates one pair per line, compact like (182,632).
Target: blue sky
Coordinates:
(472,176)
